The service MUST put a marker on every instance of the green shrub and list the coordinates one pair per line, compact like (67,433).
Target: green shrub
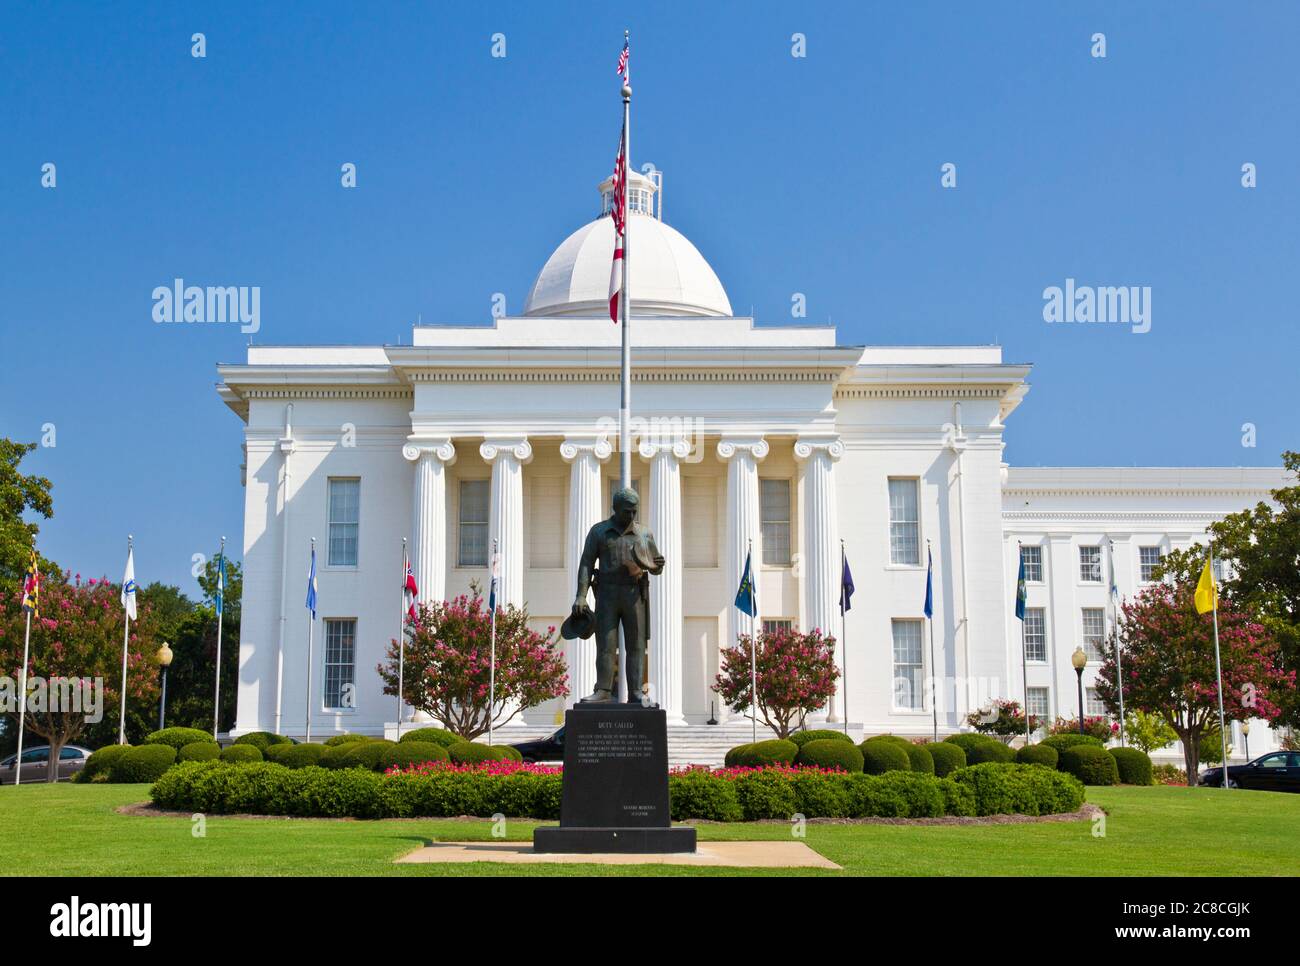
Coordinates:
(946,756)
(1037,755)
(731,758)
(261,740)
(958,798)
(896,794)
(199,751)
(1069,740)
(699,795)
(344,739)
(510,753)
(766,794)
(921,760)
(358,754)
(295,756)
(439,736)
(143,763)
(411,753)
(879,757)
(1091,764)
(830,753)
(98,764)
(763,753)
(1134,766)
(1008,789)
(241,753)
(178,738)
(471,752)
(896,739)
(801,738)
(981,748)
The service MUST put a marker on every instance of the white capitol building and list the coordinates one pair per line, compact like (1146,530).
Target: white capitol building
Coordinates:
(777,435)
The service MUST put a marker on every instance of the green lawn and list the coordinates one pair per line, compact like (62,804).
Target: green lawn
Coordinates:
(69,829)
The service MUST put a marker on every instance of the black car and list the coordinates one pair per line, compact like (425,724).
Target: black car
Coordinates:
(550,748)
(1278,771)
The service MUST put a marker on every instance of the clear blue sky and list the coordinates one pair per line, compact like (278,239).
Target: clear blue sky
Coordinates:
(817,175)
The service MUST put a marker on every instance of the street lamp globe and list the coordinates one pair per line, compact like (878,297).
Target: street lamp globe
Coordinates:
(1079,659)
(164,655)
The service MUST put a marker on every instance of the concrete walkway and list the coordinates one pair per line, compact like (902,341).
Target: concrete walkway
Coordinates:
(744,855)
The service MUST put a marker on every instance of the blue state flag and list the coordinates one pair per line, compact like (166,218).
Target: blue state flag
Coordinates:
(221,582)
(846,585)
(311,584)
(746,601)
(929,583)
(1022,595)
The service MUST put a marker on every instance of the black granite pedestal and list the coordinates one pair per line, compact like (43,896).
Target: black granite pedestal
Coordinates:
(615,792)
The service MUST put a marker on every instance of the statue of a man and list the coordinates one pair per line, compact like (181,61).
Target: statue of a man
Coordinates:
(627,554)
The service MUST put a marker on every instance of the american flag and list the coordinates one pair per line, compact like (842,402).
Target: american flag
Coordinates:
(622,62)
(618,212)
(409,590)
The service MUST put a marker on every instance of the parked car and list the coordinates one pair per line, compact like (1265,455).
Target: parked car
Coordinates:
(1278,771)
(36,763)
(550,748)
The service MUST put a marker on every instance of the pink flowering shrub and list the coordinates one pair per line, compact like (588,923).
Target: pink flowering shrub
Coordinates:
(796,675)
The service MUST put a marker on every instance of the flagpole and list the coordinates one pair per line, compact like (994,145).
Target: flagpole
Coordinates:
(625,389)
(1024,661)
(1218,665)
(401,645)
(1114,629)
(126,637)
(844,643)
(753,642)
(221,594)
(492,657)
(311,630)
(22,701)
(934,670)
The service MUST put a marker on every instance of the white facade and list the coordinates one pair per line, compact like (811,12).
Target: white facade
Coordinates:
(774,435)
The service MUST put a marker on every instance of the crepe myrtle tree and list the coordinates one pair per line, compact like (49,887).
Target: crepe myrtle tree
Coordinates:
(74,666)
(1169,670)
(796,676)
(448,659)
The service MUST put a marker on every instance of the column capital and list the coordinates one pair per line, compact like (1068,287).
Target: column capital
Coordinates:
(575,446)
(731,446)
(676,447)
(806,446)
(494,448)
(441,449)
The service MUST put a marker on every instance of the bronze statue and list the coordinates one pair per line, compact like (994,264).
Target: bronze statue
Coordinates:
(628,556)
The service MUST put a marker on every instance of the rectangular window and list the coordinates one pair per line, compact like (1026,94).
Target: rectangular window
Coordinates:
(774,515)
(1092,705)
(1148,559)
(1039,703)
(1216,568)
(473,529)
(1094,633)
(908,668)
(904,523)
(344,516)
(777,624)
(1032,558)
(340,662)
(1090,565)
(1035,634)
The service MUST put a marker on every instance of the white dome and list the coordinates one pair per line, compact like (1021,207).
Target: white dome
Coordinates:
(668,275)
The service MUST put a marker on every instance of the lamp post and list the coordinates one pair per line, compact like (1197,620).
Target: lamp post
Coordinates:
(1080,660)
(1245,736)
(164,658)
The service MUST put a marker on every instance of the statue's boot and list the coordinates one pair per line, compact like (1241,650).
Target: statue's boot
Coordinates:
(597,697)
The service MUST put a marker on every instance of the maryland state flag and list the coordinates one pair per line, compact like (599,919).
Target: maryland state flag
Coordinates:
(32,587)
(1207,594)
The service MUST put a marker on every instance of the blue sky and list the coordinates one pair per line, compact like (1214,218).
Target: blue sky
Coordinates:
(818,175)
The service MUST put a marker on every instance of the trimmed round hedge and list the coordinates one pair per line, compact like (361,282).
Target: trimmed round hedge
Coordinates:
(295,756)
(199,751)
(143,763)
(344,739)
(1134,766)
(879,757)
(1008,789)
(438,736)
(1039,754)
(1090,764)
(358,754)
(920,758)
(802,738)
(241,753)
(261,740)
(830,753)
(412,753)
(980,749)
(471,753)
(946,756)
(178,738)
(1069,740)
(776,751)
(100,762)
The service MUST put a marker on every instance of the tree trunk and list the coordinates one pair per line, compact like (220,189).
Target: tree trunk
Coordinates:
(52,766)
(1191,751)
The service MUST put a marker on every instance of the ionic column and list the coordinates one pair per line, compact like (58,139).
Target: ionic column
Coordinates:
(665,520)
(429,519)
(506,514)
(742,455)
(586,508)
(821,552)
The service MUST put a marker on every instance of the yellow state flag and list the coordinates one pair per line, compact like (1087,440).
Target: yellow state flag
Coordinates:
(1207,595)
